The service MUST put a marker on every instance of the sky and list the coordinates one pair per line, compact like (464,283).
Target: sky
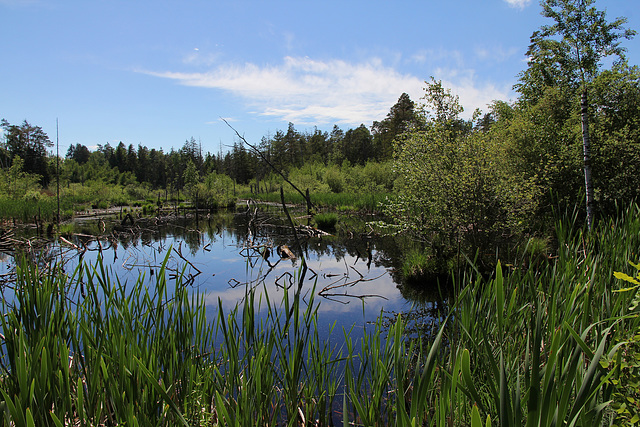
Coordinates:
(158,73)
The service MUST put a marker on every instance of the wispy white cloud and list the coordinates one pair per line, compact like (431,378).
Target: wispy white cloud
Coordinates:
(307,91)
(472,93)
(495,53)
(520,4)
(313,92)
(453,58)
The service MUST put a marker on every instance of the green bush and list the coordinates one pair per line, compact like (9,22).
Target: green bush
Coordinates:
(334,179)
(625,363)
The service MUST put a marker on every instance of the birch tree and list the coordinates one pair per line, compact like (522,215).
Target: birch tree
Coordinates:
(570,52)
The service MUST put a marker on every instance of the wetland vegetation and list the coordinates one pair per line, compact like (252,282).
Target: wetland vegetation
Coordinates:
(516,235)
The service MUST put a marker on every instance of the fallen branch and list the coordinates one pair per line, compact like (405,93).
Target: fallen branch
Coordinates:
(179,252)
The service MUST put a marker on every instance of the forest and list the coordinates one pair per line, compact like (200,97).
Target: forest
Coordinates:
(429,172)
(549,180)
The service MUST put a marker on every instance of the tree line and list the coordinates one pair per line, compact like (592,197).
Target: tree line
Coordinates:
(572,133)
(286,149)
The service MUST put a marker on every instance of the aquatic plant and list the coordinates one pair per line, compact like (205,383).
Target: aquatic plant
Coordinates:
(533,344)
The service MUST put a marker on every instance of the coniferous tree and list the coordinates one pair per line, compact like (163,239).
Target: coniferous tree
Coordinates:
(401,118)
(30,143)
(78,152)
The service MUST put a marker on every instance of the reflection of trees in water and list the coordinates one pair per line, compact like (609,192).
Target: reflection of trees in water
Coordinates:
(264,229)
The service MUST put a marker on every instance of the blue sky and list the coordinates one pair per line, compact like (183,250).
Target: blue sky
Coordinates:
(157,73)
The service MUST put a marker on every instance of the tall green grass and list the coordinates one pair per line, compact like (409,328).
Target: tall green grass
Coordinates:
(541,344)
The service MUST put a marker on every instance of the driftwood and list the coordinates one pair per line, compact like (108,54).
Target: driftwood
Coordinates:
(284,252)
(328,291)
(311,231)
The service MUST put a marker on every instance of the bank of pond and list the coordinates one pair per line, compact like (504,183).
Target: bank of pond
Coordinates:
(536,343)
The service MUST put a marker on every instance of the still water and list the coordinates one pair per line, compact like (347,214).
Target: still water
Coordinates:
(224,255)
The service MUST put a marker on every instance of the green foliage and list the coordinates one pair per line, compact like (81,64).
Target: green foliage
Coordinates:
(346,187)
(309,176)
(421,267)
(401,119)
(15,182)
(334,179)
(568,53)
(326,221)
(567,56)
(550,345)
(616,134)
(624,364)
(543,144)
(456,184)
(30,143)
(216,191)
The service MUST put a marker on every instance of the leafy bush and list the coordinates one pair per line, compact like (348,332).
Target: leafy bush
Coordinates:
(456,184)
(334,179)
(33,196)
(625,363)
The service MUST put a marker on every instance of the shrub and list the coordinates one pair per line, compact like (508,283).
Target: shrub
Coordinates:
(334,180)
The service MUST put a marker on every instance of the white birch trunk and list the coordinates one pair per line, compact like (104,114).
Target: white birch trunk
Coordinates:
(586,149)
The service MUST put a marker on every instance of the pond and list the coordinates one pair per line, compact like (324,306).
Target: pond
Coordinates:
(353,277)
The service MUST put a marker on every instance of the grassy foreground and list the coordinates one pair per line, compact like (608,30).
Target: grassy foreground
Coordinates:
(554,342)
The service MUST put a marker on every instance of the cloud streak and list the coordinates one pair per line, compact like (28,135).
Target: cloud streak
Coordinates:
(313,92)
(520,4)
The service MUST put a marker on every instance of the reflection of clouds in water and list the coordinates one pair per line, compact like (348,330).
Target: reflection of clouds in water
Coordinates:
(331,262)
(328,272)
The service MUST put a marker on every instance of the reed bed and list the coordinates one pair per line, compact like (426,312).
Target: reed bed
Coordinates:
(543,344)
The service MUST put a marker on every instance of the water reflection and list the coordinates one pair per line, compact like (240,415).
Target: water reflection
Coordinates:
(225,255)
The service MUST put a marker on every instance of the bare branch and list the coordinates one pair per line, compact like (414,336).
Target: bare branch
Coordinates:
(264,158)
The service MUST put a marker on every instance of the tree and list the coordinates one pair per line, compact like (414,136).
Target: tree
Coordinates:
(191,150)
(79,153)
(456,185)
(358,145)
(241,164)
(543,143)
(573,47)
(131,160)
(120,157)
(335,145)
(401,118)
(30,143)
(443,108)
(191,178)
(157,170)
(318,146)
(615,95)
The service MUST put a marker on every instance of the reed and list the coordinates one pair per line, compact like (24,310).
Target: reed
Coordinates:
(545,343)
(326,221)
